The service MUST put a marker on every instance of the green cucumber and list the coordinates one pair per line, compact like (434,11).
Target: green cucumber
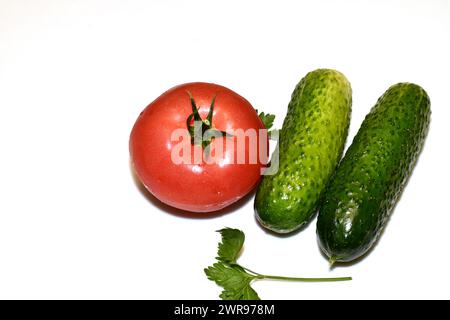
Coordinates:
(373,172)
(310,145)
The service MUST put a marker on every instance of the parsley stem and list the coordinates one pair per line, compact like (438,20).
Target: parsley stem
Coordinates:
(262,276)
(251,271)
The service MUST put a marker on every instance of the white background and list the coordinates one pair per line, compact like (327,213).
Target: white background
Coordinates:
(74,76)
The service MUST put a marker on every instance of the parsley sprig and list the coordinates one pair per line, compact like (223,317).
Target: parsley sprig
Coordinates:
(235,279)
(267,119)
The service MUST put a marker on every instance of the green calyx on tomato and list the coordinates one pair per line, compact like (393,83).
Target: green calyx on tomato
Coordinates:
(202,131)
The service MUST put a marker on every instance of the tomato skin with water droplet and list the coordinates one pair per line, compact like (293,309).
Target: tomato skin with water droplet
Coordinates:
(195,186)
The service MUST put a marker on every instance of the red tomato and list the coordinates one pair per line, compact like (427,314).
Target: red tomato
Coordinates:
(202,186)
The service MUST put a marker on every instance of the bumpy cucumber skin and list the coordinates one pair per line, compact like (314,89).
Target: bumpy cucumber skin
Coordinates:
(373,172)
(310,145)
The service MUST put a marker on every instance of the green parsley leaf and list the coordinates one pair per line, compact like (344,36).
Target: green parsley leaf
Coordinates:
(247,293)
(234,280)
(267,119)
(231,245)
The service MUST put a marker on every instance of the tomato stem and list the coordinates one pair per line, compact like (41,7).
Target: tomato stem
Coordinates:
(206,125)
